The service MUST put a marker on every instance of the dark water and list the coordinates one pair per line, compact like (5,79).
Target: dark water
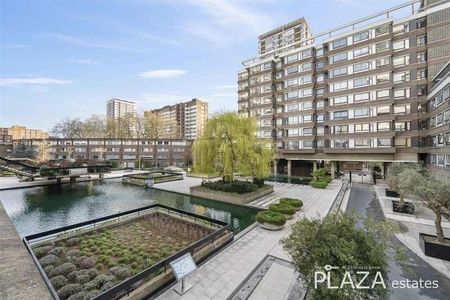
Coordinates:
(39,209)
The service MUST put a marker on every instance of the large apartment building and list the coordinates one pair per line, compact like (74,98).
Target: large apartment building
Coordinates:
(126,152)
(120,113)
(17,132)
(354,94)
(185,120)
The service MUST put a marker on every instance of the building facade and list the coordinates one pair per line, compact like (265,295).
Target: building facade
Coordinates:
(120,115)
(354,94)
(17,132)
(118,108)
(186,120)
(126,152)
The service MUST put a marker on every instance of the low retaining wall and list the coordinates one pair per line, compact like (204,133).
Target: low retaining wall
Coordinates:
(234,198)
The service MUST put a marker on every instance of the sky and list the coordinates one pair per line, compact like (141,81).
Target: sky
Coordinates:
(65,59)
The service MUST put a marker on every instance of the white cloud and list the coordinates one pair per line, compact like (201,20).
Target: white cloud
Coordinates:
(84,61)
(32,81)
(163,73)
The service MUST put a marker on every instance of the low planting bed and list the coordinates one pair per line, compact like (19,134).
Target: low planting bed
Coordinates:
(89,262)
(319,184)
(432,247)
(270,220)
(295,203)
(406,208)
(291,179)
(156,177)
(237,192)
(286,210)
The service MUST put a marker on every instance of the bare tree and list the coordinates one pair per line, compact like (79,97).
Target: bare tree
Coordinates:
(42,154)
(68,128)
(94,127)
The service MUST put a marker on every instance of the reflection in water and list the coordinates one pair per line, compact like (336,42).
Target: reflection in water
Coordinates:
(43,208)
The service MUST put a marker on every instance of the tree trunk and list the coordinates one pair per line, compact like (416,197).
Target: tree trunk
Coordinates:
(437,223)
(402,200)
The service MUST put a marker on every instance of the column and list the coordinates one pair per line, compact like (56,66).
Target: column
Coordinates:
(314,166)
(333,169)
(289,163)
(275,169)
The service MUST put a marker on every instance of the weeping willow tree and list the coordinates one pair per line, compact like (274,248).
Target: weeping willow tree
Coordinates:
(229,145)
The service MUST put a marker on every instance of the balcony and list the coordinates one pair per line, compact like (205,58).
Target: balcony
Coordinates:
(368,150)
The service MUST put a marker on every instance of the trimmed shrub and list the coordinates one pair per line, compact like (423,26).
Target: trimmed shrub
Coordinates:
(258,181)
(107,285)
(63,269)
(58,282)
(92,294)
(282,209)
(240,187)
(120,272)
(73,275)
(82,279)
(88,263)
(270,217)
(99,281)
(49,260)
(42,251)
(79,296)
(318,184)
(48,269)
(69,290)
(74,252)
(73,242)
(57,251)
(93,273)
(296,203)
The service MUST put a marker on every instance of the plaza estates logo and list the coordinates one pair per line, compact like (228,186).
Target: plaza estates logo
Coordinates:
(364,278)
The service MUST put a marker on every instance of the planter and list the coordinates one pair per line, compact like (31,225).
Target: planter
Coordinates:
(393,194)
(407,208)
(234,198)
(431,247)
(269,226)
(288,217)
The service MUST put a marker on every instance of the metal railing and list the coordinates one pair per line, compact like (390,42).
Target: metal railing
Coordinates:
(339,197)
(130,284)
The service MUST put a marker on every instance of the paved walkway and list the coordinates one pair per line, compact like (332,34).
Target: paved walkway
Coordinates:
(19,277)
(364,203)
(421,221)
(222,274)
(12,182)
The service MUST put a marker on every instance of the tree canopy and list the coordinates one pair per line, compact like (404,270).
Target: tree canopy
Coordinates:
(229,145)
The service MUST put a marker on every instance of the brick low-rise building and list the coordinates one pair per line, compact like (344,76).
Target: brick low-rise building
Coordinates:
(126,152)
(354,94)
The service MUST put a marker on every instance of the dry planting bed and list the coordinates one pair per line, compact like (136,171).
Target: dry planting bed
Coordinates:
(81,267)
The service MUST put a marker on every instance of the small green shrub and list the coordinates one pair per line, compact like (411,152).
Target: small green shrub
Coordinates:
(73,242)
(91,294)
(42,251)
(282,209)
(258,181)
(69,290)
(270,217)
(58,282)
(81,279)
(58,251)
(107,285)
(297,203)
(240,187)
(88,263)
(93,273)
(319,184)
(120,272)
(49,260)
(79,296)
(74,252)
(63,269)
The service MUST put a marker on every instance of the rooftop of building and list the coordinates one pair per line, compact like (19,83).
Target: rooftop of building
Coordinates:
(284,27)
(121,100)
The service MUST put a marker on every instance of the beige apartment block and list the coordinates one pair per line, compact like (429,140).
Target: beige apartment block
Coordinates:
(354,94)
(17,132)
(185,120)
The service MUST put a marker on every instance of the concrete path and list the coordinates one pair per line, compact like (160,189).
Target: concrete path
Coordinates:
(19,277)
(364,203)
(412,225)
(13,182)
(222,274)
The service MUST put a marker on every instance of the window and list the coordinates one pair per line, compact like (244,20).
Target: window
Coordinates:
(380,62)
(292,70)
(360,36)
(362,142)
(359,82)
(364,127)
(340,100)
(320,78)
(292,132)
(306,79)
(307,118)
(360,51)
(384,142)
(307,131)
(402,126)
(307,53)
(291,82)
(402,109)
(320,104)
(319,52)
(291,95)
(383,110)
(401,77)
(421,73)
(319,92)
(340,115)
(292,107)
(400,45)
(292,120)
(401,93)
(421,57)
(340,129)
(340,43)
(339,57)
(306,66)
(381,94)
(361,67)
(306,92)
(340,86)
(307,144)
(320,131)
(338,72)
(384,126)
(320,65)
(421,40)
(400,29)
(341,143)
(361,112)
(401,61)
(383,29)
(421,23)
(403,142)
(320,118)
(381,46)
(361,97)
(291,58)
(383,78)
(267,66)
(307,105)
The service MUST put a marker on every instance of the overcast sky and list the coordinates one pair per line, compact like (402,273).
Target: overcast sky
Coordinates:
(66,58)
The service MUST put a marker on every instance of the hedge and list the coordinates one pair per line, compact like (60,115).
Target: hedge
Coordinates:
(270,217)
(297,203)
(318,184)
(240,187)
(282,209)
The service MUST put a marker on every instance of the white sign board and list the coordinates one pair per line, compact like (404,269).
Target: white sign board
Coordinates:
(78,171)
(183,266)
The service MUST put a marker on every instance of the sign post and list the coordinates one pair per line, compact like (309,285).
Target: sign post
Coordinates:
(182,267)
